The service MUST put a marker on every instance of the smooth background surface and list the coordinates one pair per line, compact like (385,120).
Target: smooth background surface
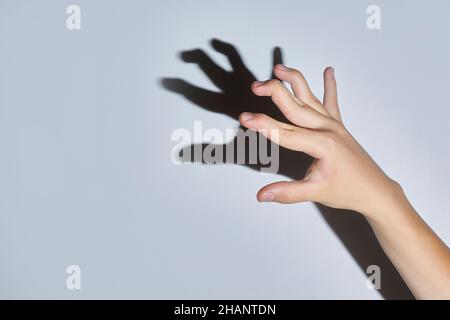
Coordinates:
(85,170)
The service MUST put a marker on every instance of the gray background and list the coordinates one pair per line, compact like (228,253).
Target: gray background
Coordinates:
(85,170)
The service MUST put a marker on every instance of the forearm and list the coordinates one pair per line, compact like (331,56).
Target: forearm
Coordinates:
(420,256)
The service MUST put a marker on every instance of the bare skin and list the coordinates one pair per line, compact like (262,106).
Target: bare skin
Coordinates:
(344,176)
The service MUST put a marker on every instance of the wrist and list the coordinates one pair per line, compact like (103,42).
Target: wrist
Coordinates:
(390,203)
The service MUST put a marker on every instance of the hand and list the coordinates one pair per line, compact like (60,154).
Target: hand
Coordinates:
(342,175)
(233,98)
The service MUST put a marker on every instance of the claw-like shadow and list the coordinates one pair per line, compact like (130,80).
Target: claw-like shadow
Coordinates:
(236,97)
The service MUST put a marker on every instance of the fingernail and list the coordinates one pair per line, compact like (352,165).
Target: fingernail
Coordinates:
(283,67)
(258,83)
(332,71)
(267,197)
(246,116)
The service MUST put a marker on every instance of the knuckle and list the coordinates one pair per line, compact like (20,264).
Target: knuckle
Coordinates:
(286,197)
(276,91)
(297,75)
(396,185)
(260,117)
(293,114)
(287,133)
(274,83)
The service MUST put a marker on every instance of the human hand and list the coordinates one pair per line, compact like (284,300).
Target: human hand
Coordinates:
(342,175)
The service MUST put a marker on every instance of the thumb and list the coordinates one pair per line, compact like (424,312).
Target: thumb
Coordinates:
(287,192)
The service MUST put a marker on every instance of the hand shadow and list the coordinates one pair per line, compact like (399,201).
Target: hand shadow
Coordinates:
(236,97)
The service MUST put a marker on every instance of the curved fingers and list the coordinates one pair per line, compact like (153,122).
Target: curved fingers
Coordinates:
(299,86)
(286,135)
(293,109)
